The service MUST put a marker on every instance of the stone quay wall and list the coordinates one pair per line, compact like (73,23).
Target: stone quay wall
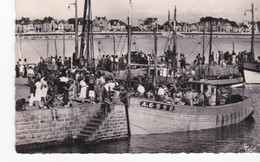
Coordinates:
(114,126)
(36,129)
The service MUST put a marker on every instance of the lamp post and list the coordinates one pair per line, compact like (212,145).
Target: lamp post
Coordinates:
(76,26)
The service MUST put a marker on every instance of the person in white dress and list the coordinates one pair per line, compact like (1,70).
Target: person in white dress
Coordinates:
(83,90)
(44,89)
(38,93)
(140,90)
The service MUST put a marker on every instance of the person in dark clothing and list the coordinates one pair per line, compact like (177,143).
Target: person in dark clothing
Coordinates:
(182,61)
(20,105)
(25,68)
(66,87)
(32,91)
(69,63)
(50,104)
(17,69)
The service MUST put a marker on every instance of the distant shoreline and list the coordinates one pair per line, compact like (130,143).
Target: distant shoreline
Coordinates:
(71,35)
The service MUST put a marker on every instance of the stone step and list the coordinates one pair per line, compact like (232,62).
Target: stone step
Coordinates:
(89,129)
(98,117)
(99,121)
(86,132)
(83,136)
(94,125)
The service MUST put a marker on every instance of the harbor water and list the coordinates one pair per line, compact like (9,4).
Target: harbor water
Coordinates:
(241,137)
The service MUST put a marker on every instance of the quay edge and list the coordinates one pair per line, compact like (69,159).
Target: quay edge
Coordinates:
(36,129)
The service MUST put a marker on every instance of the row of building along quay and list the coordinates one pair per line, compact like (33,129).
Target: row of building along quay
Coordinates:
(102,24)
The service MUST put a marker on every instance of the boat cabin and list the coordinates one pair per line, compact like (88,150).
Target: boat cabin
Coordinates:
(216,92)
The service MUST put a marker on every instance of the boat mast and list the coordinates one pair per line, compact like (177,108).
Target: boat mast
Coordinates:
(56,51)
(129,69)
(155,58)
(203,43)
(76,28)
(82,43)
(174,32)
(20,45)
(47,38)
(169,29)
(253,33)
(88,31)
(233,47)
(63,58)
(210,46)
(129,40)
(174,43)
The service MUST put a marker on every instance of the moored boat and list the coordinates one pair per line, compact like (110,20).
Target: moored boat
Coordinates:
(251,69)
(149,117)
(203,102)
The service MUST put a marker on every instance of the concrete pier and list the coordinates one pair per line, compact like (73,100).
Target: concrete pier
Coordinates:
(82,122)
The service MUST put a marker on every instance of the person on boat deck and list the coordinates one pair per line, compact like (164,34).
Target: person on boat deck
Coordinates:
(211,58)
(160,94)
(182,61)
(216,58)
(190,96)
(196,61)
(116,61)
(201,99)
(140,90)
(207,97)
(234,58)
(112,63)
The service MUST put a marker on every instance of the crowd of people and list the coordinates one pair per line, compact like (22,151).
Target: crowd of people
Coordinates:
(53,79)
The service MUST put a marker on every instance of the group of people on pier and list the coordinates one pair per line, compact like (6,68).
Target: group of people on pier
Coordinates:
(53,81)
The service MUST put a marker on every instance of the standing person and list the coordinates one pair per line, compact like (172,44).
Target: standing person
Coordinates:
(30,74)
(112,63)
(25,68)
(50,105)
(140,90)
(38,93)
(211,58)
(116,62)
(83,90)
(66,88)
(182,61)
(17,70)
(160,94)
(44,89)
(91,88)
(32,91)
(91,93)
(21,70)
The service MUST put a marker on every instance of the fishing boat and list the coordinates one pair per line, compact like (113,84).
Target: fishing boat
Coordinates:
(220,108)
(251,69)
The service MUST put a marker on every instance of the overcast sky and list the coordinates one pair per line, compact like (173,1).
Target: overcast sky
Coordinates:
(187,10)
